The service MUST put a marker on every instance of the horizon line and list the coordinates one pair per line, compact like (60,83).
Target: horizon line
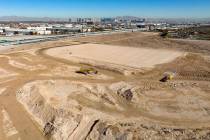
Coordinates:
(104,17)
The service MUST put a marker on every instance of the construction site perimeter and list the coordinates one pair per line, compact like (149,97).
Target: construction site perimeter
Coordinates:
(106,87)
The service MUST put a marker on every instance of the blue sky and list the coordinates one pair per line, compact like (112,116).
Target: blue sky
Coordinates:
(106,8)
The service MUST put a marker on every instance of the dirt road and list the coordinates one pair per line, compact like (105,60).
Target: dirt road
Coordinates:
(31,64)
(27,128)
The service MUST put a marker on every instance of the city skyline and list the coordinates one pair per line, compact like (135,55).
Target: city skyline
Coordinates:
(108,8)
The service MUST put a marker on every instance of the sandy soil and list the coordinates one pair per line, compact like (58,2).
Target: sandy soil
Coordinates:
(126,56)
(54,102)
(150,40)
(106,103)
(5,73)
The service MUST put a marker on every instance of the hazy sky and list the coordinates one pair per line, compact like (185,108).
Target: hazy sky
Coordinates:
(105,8)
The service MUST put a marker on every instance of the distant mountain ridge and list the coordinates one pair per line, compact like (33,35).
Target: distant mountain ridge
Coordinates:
(154,20)
(22,18)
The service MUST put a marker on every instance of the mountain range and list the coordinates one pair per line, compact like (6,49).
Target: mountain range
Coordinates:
(22,18)
(154,20)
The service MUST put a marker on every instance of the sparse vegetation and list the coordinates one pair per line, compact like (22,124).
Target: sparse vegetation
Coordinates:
(164,33)
(197,33)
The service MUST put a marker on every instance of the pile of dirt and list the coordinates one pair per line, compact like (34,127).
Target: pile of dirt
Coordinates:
(121,110)
(109,104)
(134,131)
(190,67)
(127,94)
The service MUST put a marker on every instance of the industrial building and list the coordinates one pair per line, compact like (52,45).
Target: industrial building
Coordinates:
(63,30)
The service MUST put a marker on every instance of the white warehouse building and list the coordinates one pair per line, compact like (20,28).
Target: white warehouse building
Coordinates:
(40,30)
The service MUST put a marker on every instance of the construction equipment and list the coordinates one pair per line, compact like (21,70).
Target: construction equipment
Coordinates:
(168,76)
(87,71)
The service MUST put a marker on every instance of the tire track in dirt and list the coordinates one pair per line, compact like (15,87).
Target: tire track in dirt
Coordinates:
(28,129)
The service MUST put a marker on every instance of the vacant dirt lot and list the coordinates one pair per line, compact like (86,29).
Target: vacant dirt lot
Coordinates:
(42,96)
(137,58)
(150,40)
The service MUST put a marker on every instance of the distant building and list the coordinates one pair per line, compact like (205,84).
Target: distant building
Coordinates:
(1,31)
(84,20)
(96,20)
(87,20)
(68,25)
(73,20)
(141,25)
(39,30)
(138,20)
(107,20)
(14,31)
(63,30)
(79,20)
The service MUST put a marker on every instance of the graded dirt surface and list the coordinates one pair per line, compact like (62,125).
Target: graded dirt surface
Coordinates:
(150,40)
(42,96)
(125,56)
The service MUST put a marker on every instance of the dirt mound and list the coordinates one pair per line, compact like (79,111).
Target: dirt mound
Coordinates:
(106,105)
(78,110)
(134,131)
(190,67)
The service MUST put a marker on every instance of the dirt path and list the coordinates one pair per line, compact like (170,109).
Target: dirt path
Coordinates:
(20,120)
(27,128)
